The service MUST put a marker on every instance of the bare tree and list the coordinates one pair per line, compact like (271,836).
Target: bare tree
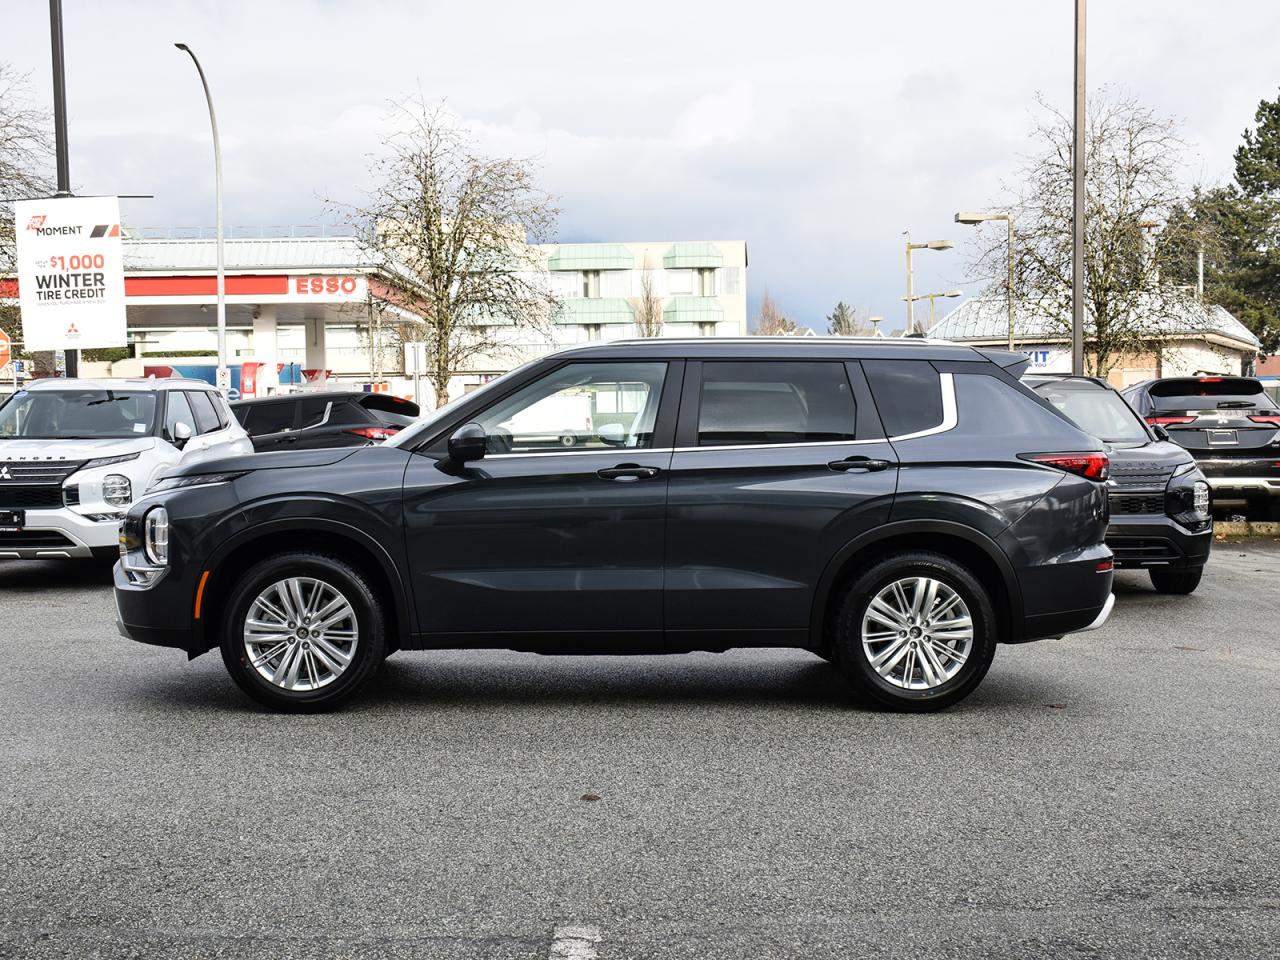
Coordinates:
(451,233)
(26,149)
(771,322)
(648,305)
(1132,186)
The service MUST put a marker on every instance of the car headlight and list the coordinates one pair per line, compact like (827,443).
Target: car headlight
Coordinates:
(1200,498)
(194,480)
(117,490)
(155,539)
(1188,499)
(108,461)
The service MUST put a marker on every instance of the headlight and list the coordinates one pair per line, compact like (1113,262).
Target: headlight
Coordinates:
(108,461)
(1200,498)
(117,490)
(194,480)
(155,540)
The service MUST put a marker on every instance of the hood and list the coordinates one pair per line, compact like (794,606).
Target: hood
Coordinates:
(1148,464)
(267,461)
(72,450)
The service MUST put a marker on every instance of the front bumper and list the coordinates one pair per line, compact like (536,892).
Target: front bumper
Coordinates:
(1139,542)
(59,534)
(159,613)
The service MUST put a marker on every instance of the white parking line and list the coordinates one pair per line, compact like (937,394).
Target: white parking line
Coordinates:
(576,942)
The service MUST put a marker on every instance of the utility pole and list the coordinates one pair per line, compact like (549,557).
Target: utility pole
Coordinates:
(1078,201)
(60,131)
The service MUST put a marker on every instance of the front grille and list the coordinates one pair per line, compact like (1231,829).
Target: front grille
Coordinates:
(37,471)
(1133,503)
(26,495)
(34,483)
(34,538)
(1143,549)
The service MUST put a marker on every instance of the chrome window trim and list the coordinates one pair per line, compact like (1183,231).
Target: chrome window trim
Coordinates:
(950,418)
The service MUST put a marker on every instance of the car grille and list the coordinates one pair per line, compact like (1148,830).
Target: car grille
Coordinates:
(34,483)
(1143,549)
(1134,503)
(1139,473)
(34,538)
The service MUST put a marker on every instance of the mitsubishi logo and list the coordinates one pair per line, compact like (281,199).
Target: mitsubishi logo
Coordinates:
(5,474)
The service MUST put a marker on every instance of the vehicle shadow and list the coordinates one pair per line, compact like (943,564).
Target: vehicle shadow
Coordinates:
(32,575)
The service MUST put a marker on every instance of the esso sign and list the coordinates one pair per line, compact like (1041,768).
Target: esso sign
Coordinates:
(5,347)
(327,286)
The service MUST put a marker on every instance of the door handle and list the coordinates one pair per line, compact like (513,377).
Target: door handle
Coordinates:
(628,473)
(860,463)
(293,439)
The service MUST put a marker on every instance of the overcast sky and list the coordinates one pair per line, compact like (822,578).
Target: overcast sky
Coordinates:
(817,132)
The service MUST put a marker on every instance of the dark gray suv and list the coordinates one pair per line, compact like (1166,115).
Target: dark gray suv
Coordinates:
(897,507)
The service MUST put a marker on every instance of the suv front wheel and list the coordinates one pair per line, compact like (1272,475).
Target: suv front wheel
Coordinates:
(916,632)
(302,632)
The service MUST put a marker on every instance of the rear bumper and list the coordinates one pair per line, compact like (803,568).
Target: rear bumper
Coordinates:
(1068,597)
(59,534)
(1236,479)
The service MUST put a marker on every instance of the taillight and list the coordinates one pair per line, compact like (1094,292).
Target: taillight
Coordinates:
(1091,466)
(1271,418)
(1210,379)
(1163,420)
(1104,566)
(374,433)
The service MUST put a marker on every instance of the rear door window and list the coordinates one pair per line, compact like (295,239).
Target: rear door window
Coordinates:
(314,411)
(264,418)
(775,401)
(908,394)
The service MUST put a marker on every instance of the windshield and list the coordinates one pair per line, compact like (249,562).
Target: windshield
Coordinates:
(1098,412)
(77,415)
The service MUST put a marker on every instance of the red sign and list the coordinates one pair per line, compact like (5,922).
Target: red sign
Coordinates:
(5,351)
(249,378)
(325,285)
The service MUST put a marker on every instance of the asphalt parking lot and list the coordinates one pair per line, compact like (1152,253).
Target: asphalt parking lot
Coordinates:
(1114,794)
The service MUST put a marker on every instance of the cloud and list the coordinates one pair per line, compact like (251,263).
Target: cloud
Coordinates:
(817,132)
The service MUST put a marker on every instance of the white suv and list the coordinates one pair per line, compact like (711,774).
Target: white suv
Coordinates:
(75,453)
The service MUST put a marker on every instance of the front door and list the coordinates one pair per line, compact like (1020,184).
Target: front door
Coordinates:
(557,533)
(779,464)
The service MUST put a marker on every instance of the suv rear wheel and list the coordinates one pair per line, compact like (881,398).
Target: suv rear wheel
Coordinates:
(916,632)
(302,632)
(1176,581)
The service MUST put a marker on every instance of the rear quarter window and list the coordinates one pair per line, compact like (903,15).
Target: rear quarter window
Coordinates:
(908,394)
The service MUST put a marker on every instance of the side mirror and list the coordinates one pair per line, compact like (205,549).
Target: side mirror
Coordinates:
(1160,432)
(469,442)
(181,434)
(612,434)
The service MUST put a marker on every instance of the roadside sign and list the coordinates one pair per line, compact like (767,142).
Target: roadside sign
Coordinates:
(70,273)
(415,358)
(6,351)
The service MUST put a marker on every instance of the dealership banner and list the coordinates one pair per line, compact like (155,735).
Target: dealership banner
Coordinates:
(70,273)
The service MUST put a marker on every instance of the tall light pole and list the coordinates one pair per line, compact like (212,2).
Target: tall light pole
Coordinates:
(1077,202)
(931,297)
(910,297)
(61,152)
(224,374)
(972,219)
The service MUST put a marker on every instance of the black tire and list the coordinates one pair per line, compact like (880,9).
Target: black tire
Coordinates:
(1181,582)
(852,659)
(359,593)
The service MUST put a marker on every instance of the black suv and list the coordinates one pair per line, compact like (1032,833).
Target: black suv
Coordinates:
(1161,515)
(1230,425)
(897,507)
(303,421)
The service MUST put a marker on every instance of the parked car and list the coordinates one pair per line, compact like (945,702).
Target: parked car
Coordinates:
(304,421)
(563,419)
(1161,515)
(1230,425)
(74,454)
(896,507)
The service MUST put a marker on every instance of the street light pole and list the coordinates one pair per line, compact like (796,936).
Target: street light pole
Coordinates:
(911,297)
(61,151)
(972,219)
(224,373)
(1077,201)
(932,297)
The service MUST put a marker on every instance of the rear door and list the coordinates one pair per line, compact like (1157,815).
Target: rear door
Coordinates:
(778,464)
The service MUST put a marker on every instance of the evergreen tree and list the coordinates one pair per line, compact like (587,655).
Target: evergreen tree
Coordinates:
(842,321)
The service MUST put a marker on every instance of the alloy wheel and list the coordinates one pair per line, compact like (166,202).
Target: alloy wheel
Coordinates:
(300,634)
(917,633)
